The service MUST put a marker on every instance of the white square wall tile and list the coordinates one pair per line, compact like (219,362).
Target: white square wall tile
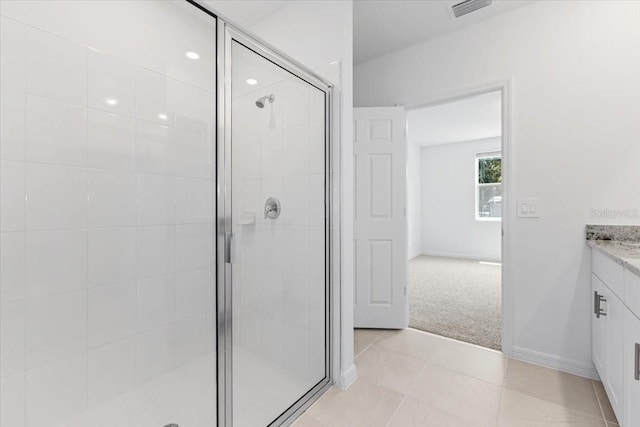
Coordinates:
(12,195)
(269,289)
(12,131)
(316,105)
(295,244)
(56,132)
(191,246)
(156,250)
(296,350)
(111,370)
(111,256)
(271,148)
(111,313)
(295,305)
(317,252)
(56,67)
(317,305)
(191,339)
(154,148)
(155,353)
(317,153)
(12,345)
(245,157)
(156,302)
(111,141)
(55,327)
(56,197)
(12,55)
(111,84)
(194,200)
(56,262)
(316,199)
(296,198)
(154,97)
(191,154)
(190,293)
(56,391)
(12,267)
(156,196)
(12,404)
(296,103)
(112,198)
(194,108)
(296,149)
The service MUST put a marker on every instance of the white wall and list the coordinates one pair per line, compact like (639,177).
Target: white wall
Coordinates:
(575,77)
(319,34)
(414,199)
(449,226)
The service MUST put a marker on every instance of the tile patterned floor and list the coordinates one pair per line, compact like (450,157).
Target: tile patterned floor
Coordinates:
(411,378)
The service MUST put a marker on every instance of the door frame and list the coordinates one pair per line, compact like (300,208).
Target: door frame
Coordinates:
(508,209)
(226,33)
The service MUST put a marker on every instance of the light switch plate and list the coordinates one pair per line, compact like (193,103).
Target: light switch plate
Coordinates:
(528,208)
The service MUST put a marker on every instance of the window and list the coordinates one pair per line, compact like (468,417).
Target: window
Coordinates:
(488,187)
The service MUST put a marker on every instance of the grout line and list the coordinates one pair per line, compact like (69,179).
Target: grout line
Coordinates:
(88,209)
(370,344)
(593,386)
(405,395)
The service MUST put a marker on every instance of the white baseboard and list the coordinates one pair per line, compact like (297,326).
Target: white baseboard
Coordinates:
(347,378)
(581,369)
(464,256)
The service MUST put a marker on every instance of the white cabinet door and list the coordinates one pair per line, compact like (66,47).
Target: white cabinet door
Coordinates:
(599,327)
(380,194)
(614,382)
(631,370)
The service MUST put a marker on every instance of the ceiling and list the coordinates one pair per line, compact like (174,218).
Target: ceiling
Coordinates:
(246,13)
(468,119)
(383,26)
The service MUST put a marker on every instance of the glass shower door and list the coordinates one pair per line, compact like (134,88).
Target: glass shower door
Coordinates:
(278,222)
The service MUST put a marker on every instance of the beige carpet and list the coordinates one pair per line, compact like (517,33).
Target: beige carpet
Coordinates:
(456,298)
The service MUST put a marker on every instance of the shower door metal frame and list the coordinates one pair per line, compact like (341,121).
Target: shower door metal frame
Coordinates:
(226,33)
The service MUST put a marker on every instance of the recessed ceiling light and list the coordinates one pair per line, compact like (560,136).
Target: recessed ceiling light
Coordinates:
(162,116)
(111,101)
(252,82)
(192,55)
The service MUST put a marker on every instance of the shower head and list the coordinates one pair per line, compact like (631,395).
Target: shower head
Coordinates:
(260,101)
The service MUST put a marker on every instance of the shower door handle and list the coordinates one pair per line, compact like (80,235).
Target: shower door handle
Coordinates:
(228,238)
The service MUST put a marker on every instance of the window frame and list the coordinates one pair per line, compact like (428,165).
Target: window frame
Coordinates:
(476,184)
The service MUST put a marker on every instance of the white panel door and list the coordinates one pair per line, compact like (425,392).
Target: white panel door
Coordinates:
(380,193)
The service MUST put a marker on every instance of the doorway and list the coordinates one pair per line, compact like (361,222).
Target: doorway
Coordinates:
(454,218)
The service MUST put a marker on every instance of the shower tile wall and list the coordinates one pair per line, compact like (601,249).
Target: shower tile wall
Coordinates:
(279,272)
(106,208)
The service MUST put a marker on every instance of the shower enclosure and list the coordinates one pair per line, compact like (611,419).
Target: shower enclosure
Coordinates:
(164,220)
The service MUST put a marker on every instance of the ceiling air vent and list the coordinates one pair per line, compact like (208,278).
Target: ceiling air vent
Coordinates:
(468,6)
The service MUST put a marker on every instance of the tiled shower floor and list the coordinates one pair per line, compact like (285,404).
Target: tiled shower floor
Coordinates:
(411,378)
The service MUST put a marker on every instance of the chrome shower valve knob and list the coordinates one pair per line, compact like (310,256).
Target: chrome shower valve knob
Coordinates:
(272,208)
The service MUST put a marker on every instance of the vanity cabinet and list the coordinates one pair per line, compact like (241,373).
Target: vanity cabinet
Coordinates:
(616,336)
(608,339)
(632,370)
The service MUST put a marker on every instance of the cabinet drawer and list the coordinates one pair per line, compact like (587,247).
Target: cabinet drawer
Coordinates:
(609,271)
(632,292)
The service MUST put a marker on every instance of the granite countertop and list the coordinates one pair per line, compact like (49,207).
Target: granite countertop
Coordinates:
(620,243)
